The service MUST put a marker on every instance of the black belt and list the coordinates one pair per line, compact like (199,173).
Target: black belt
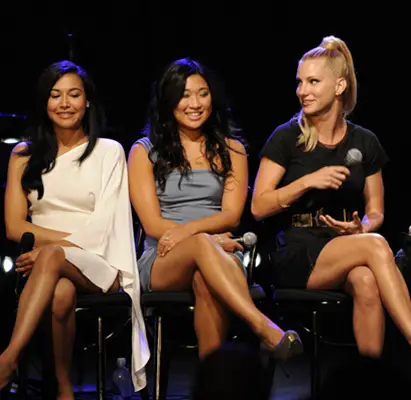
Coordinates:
(312,219)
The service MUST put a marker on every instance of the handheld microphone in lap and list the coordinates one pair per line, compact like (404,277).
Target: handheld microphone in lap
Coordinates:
(26,245)
(249,239)
(26,242)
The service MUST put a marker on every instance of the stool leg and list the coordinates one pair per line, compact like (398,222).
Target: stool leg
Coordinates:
(315,368)
(158,341)
(101,379)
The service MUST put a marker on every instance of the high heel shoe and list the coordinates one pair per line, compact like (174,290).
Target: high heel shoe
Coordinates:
(289,346)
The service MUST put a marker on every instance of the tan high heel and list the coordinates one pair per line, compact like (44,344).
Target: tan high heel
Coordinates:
(289,346)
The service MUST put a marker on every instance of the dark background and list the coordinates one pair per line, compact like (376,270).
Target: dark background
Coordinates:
(254,48)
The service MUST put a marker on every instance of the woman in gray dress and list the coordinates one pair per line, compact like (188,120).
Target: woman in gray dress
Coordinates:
(188,185)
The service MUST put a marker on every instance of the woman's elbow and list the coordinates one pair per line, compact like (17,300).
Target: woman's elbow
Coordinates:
(256,211)
(11,234)
(235,223)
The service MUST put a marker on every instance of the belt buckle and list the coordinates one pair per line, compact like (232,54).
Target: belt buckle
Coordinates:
(302,220)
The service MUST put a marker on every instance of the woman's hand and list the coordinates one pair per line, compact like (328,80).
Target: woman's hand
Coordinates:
(25,262)
(172,237)
(227,243)
(331,177)
(344,228)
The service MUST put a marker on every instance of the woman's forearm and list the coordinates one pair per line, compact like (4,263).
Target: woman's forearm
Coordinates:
(43,236)
(274,201)
(372,221)
(223,221)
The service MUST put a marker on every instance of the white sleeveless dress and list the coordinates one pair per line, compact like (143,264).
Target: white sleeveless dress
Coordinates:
(91,202)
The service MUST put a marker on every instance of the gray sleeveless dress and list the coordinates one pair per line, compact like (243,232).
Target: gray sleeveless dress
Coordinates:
(199,196)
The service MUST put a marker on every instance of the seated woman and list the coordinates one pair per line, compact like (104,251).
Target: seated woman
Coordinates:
(318,173)
(74,186)
(188,185)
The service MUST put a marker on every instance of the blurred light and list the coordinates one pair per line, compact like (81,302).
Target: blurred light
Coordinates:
(12,115)
(247,259)
(10,140)
(7,264)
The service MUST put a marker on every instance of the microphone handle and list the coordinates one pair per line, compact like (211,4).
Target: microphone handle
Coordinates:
(20,280)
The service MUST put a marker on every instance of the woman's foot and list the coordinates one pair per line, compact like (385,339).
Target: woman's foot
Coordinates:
(281,345)
(6,372)
(66,396)
(66,392)
(290,345)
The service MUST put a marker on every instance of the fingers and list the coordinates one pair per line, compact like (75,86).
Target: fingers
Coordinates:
(341,177)
(341,170)
(334,183)
(356,217)
(338,178)
(232,246)
(330,221)
(22,257)
(335,176)
(238,247)
(340,227)
(25,268)
(327,221)
(165,246)
(343,228)
(24,262)
(163,243)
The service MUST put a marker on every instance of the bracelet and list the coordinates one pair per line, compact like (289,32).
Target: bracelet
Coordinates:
(278,201)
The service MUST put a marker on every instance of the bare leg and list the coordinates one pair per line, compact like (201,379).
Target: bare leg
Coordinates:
(36,297)
(63,323)
(368,316)
(210,318)
(344,253)
(220,272)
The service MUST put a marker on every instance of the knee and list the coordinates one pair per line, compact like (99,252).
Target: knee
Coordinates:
(200,288)
(49,258)
(364,286)
(64,299)
(377,246)
(202,240)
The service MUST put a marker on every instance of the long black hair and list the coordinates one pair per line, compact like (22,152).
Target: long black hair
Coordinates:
(42,146)
(162,128)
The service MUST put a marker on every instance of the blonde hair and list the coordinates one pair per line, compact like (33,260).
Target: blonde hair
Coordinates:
(339,56)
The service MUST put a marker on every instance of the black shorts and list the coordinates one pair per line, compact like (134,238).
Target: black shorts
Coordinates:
(295,253)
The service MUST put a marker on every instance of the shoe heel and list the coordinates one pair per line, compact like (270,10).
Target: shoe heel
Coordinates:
(289,346)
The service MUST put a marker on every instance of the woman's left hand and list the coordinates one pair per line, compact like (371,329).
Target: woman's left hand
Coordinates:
(25,262)
(344,228)
(172,237)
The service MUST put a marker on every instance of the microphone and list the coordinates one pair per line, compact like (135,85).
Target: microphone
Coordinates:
(26,242)
(249,239)
(353,157)
(26,245)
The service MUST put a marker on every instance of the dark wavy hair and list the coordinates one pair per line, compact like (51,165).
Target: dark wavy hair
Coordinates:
(42,146)
(162,128)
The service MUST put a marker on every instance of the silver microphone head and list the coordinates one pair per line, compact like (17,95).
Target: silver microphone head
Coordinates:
(353,157)
(249,239)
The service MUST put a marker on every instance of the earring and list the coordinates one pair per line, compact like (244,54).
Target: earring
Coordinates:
(88,104)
